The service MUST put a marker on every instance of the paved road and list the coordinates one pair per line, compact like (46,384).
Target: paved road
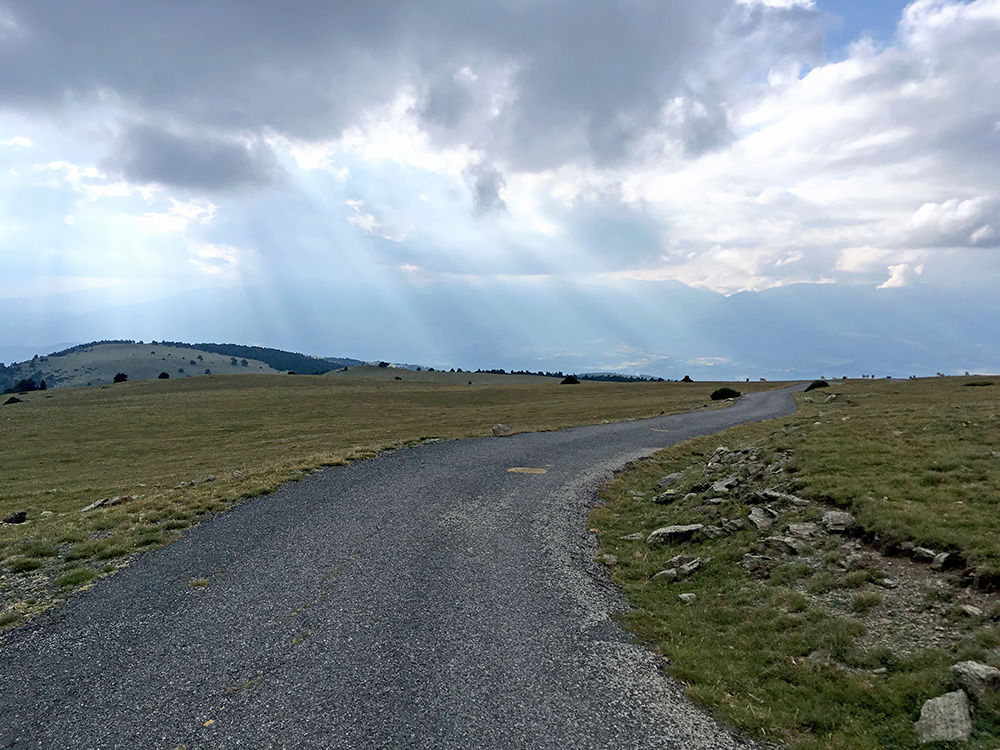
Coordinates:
(426,598)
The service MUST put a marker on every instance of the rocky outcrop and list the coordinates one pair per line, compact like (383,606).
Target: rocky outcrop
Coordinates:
(838,521)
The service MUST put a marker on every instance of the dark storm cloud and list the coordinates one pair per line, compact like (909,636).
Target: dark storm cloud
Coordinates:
(486,182)
(149,154)
(546,82)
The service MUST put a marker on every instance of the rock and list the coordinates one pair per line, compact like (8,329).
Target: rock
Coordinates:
(907,546)
(731,526)
(691,567)
(209,478)
(715,501)
(969,611)
(803,530)
(976,678)
(666,497)
(713,532)
(633,536)
(783,497)
(838,521)
(886,583)
(674,533)
(46,514)
(786,544)
(760,519)
(13,400)
(922,554)
(947,561)
(670,479)
(669,575)
(945,719)
(678,560)
(18,516)
(500,429)
(724,486)
(107,502)
(687,598)
(757,563)
(609,559)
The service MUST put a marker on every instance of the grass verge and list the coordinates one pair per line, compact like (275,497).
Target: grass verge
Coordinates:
(814,638)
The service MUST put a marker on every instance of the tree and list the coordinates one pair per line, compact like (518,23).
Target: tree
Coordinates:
(244,362)
(163,376)
(120,377)
(42,386)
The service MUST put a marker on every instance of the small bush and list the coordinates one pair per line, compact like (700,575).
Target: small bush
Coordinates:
(163,376)
(724,393)
(120,377)
(817,384)
(865,602)
(23,564)
(569,380)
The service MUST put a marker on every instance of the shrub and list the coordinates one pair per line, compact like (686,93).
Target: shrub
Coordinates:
(724,393)
(569,380)
(163,376)
(817,384)
(120,377)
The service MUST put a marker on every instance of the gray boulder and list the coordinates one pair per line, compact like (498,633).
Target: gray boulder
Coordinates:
(945,719)
(838,521)
(671,479)
(725,486)
(803,530)
(976,679)
(667,576)
(500,429)
(674,533)
(788,545)
(760,519)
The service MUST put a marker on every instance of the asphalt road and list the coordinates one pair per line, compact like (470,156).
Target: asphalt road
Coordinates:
(426,598)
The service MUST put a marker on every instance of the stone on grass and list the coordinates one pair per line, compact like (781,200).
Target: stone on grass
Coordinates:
(633,536)
(976,678)
(803,530)
(922,554)
(676,533)
(687,598)
(671,479)
(609,559)
(725,486)
(713,532)
(669,575)
(18,516)
(107,502)
(838,521)
(500,429)
(969,611)
(732,525)
(786,544)
(760,519)
(945,719)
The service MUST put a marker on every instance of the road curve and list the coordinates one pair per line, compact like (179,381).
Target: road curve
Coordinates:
(426,598)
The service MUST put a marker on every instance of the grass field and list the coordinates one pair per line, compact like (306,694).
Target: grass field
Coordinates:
(811,647)
(183,449)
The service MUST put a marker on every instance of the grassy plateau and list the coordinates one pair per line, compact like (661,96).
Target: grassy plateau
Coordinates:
(834,640)
(179,450)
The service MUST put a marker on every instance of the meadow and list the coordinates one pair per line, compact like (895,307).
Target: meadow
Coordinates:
(829,640)
(180,450)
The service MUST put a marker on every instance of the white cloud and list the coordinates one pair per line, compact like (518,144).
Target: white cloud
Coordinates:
(901,275)
(18,140)
(213,259)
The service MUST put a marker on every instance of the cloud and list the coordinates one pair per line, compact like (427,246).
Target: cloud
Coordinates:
(487,184)
(901,275)
(149,154)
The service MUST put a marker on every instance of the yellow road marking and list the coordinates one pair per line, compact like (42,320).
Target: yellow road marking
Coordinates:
(654,429)
(526,470)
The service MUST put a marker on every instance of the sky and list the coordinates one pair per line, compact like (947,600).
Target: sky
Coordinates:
(722,188)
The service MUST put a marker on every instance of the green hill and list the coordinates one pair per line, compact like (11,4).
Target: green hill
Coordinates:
(99,362)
